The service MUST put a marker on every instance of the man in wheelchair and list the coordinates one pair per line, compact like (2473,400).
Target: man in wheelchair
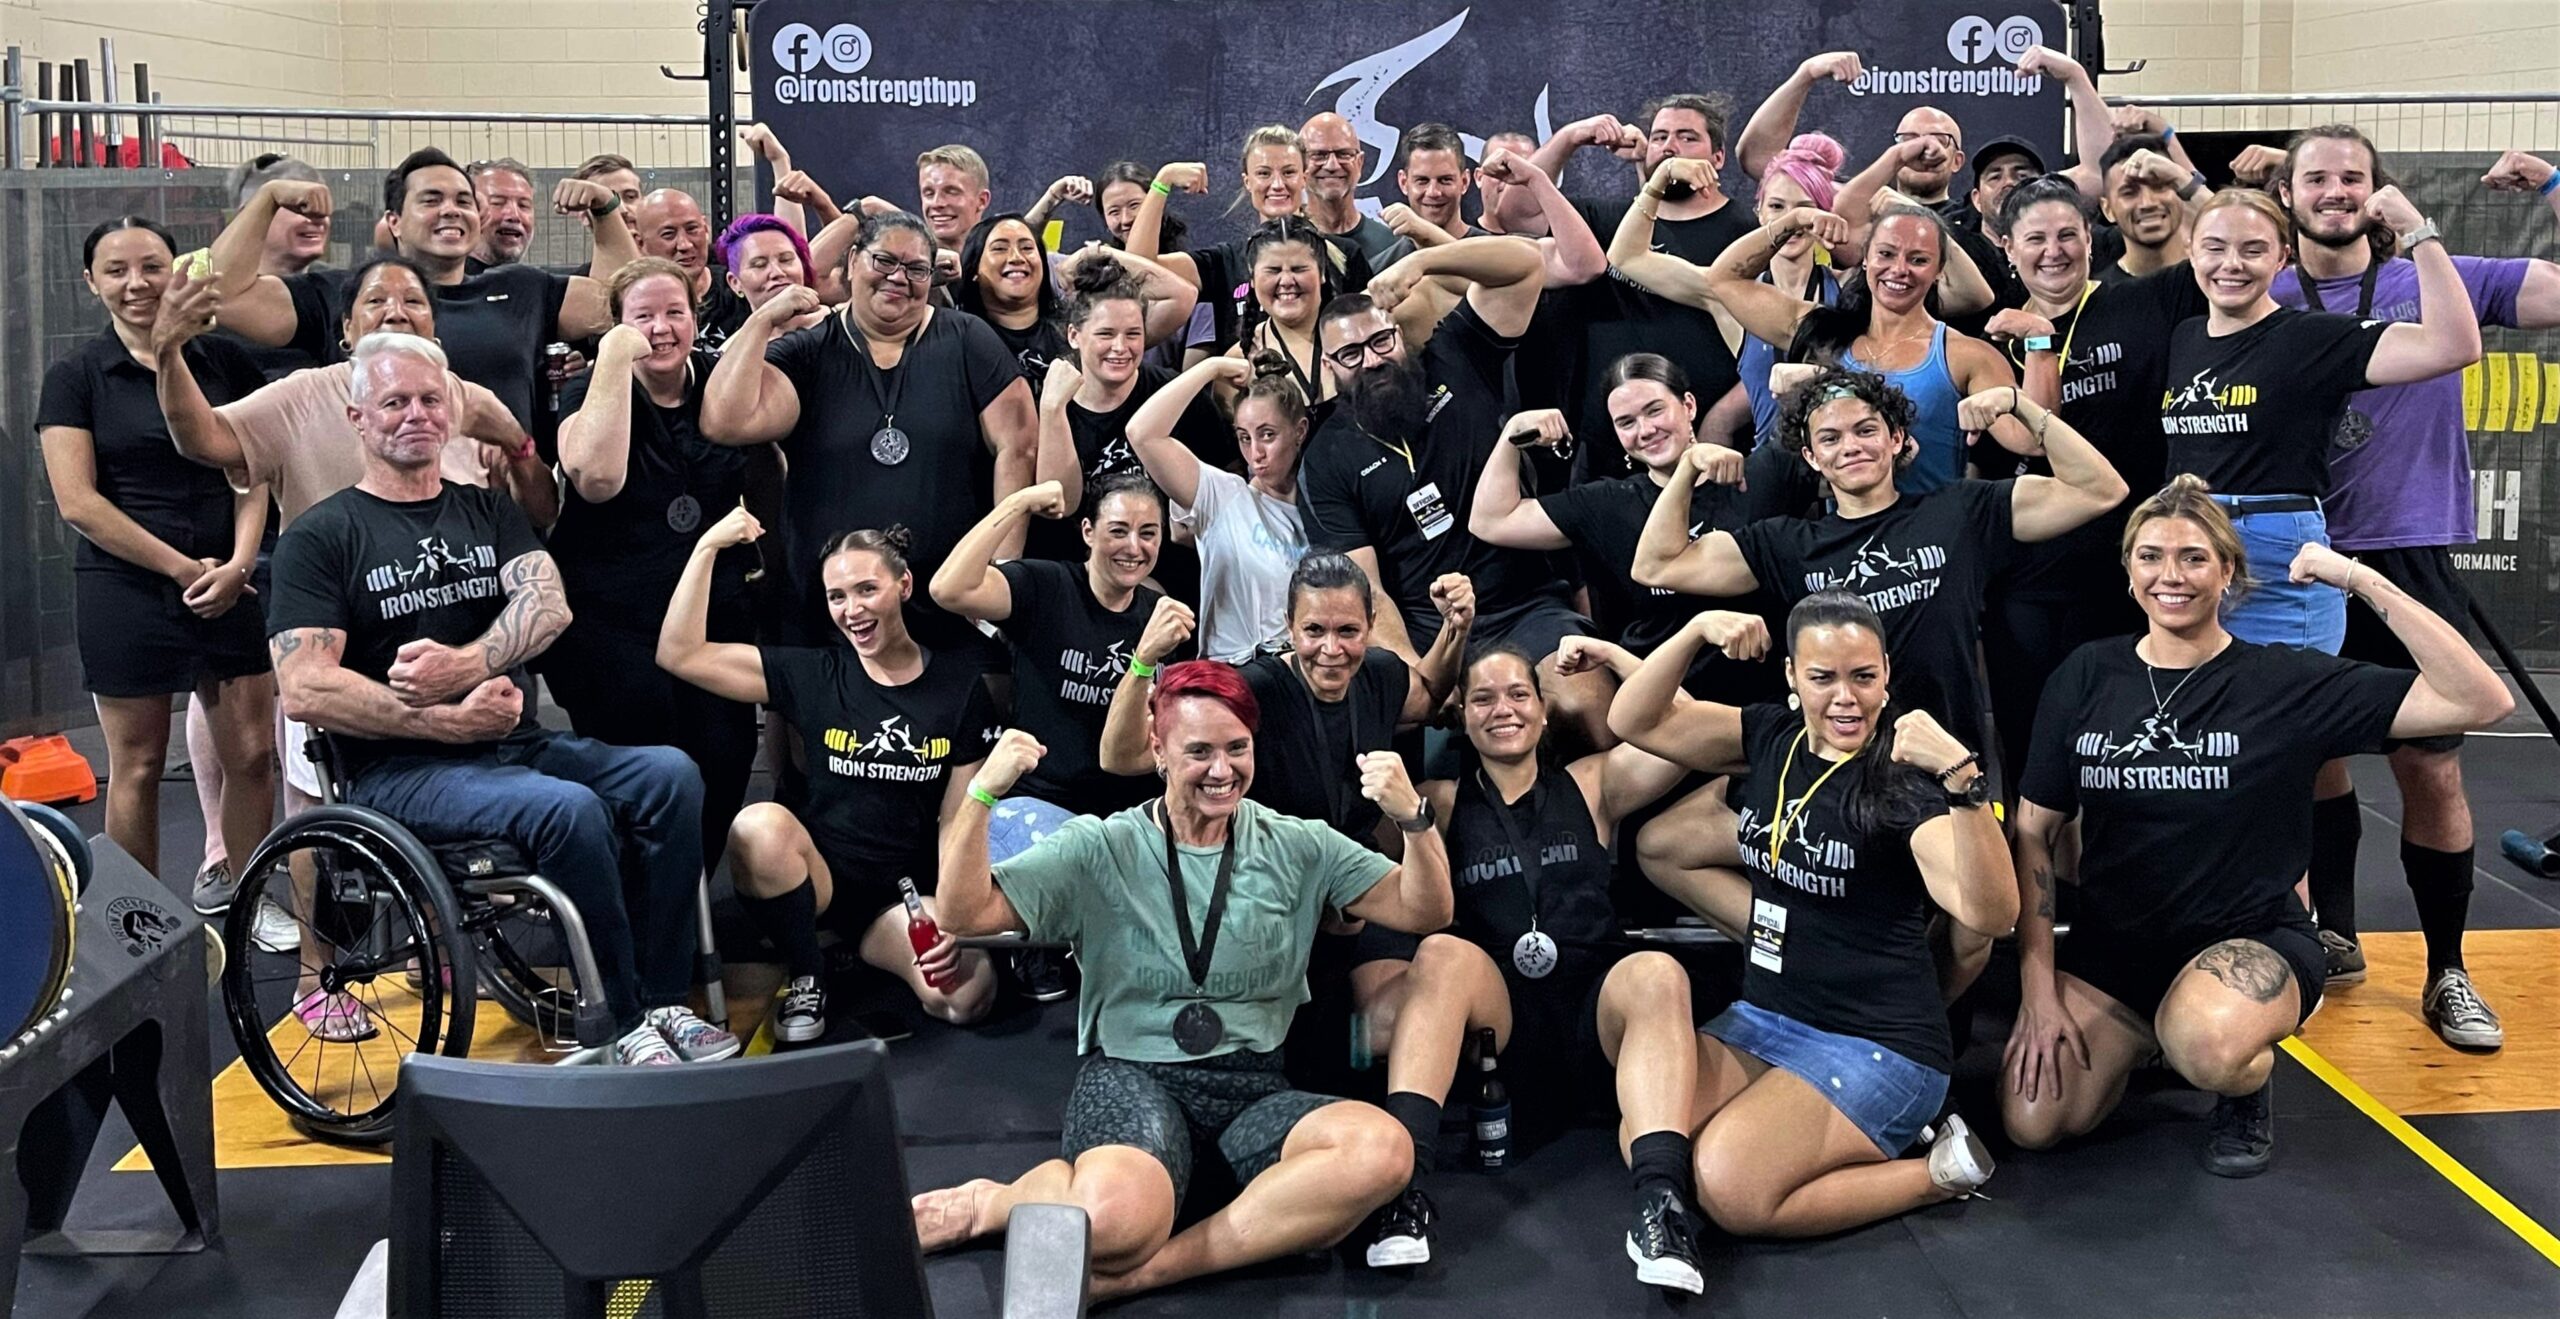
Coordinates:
(404,610)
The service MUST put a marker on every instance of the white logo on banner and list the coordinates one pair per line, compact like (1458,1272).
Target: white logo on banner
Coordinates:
(1371,75)
(1984,50)
(1973,40)
(798,49)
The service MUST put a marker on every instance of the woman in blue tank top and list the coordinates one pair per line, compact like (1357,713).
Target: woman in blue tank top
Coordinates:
(1884,325)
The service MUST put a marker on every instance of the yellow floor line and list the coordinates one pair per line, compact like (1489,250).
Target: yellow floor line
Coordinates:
(2449,1167)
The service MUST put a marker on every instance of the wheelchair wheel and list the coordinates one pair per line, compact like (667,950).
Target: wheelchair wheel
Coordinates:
(516,946)
(379,911)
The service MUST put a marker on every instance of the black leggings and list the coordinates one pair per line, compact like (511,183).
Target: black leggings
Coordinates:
(610,683)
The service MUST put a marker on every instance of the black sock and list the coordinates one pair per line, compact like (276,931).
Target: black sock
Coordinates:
(1420,1115)
(2337,826)
(2440,884)
(791,922)
(1659,1160)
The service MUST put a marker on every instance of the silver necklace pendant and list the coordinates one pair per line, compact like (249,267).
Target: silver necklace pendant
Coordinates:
(1534,954)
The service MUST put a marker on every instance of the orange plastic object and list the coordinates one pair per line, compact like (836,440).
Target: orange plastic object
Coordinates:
(46,769)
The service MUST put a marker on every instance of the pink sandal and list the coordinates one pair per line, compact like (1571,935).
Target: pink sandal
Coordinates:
(335,1018)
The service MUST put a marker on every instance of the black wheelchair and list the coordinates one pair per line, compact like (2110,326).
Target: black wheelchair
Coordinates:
(399,940)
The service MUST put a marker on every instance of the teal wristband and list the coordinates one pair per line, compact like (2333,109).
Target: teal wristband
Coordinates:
(2168,132)
(1141,668)
(982,796)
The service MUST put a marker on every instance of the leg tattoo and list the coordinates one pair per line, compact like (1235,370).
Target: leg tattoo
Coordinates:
(2252,968)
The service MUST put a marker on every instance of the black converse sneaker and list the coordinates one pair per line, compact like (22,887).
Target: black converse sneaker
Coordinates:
(2458,1017)
(802,1017)
(1400,1232)
(1665,1246)
(2241,1140)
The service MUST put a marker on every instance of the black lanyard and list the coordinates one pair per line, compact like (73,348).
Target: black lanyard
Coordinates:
(2364,288)
(1337,786)
(873,372)
(1532,863)
(1196,955)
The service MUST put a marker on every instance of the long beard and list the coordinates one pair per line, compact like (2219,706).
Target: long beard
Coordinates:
(1387,400)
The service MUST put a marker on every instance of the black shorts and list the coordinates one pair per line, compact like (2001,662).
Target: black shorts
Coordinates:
(860,890)
(1536,625)
(2426,573)
(138,638)
(1553,1063)
(2136,970)
(1240,1103)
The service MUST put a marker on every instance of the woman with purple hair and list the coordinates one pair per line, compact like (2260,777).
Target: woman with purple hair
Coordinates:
(764,255)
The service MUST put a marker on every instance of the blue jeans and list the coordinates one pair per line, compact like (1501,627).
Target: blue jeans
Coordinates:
(619,829)
(2279,611)
(1019,822)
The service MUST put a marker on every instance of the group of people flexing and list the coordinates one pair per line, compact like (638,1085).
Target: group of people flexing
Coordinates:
(1311,628)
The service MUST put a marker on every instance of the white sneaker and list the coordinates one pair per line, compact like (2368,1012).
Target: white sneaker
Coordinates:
(276,931)
(1958,1160)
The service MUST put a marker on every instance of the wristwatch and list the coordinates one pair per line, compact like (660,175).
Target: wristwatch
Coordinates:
(1421,822)
(1976,793)
(2426,230)
(2038,343)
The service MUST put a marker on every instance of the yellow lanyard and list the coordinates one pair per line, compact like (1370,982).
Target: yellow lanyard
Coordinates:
(2087,288)
(1404,451)
(1788,819)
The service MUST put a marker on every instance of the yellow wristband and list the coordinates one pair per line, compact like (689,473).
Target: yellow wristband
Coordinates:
(1141,667)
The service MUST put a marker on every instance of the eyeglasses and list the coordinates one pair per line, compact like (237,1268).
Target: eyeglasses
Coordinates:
(890,267)
(1340,154)
(1947,140)
(1353,356)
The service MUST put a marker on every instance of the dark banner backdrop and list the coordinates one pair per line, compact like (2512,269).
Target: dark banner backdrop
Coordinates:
(2510,406)
(857,88)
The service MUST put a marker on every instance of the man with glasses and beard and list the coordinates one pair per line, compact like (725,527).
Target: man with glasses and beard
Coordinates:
(1390,477)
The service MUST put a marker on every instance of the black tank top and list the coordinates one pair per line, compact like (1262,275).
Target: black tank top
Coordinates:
(1572,899)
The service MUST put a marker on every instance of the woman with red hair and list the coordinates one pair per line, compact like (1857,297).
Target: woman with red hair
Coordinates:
(1192,916)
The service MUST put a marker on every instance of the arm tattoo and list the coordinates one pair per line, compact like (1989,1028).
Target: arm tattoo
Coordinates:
(2044,891)
(536,612)
(322,641)
(2247,966)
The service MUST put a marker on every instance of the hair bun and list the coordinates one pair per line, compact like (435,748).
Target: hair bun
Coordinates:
(1821,148)
(1270,362)
(897,537)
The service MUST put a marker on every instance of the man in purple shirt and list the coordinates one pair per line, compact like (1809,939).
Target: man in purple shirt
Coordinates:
(2400,495)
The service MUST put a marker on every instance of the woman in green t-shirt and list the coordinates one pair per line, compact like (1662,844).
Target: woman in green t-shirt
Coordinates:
(1193,966)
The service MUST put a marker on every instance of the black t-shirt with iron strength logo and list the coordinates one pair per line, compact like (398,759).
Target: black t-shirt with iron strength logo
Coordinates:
(2193,786)
(1840,920)
(1923,565)
(880,757)
(387,574)
(2252,412)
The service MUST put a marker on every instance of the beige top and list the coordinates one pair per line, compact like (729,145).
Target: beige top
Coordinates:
(296,437)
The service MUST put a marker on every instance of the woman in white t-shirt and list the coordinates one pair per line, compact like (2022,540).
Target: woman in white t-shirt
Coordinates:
(1245,527)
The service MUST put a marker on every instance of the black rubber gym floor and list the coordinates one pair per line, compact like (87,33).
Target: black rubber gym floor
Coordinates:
(2349,1222)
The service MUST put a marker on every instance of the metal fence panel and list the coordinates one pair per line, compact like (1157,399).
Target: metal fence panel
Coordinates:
(46,310)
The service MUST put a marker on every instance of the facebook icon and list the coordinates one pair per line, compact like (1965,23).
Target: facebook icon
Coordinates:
(795,47)
(1968,39)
